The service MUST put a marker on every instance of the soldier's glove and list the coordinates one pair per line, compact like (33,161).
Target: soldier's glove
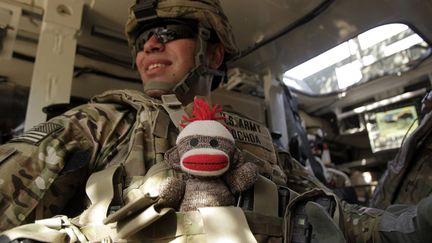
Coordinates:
(424,219)
(324,228)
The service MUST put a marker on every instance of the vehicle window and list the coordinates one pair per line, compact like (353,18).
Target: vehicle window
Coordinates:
(384,50)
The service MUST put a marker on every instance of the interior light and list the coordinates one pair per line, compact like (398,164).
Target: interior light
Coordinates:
(367,176)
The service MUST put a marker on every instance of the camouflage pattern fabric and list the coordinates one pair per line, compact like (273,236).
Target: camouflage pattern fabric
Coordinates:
(38,179)
(358,224)
(37,175)
(418,181)
(407,178)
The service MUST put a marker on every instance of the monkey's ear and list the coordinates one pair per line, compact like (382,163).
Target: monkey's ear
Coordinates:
(172,158)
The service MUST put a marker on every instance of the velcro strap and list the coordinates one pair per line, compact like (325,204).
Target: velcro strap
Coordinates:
(266,197)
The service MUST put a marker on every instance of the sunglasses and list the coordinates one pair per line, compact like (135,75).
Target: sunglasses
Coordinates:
(165,34)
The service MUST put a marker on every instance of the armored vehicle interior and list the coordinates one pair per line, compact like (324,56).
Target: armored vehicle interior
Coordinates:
(338,80)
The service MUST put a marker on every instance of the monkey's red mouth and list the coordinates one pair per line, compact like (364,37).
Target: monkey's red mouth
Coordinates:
(205,162)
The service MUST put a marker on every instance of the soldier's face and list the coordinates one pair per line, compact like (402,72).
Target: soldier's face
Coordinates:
(166,63)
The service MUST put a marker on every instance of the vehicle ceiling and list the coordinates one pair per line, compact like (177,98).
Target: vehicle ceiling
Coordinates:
(255,21)
(273,35)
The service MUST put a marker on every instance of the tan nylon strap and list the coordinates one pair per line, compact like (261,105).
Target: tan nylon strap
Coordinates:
(159,86)
(64,224)
(192,4)
(141,221)
(100,190)
(226,224)
(57,229)
(130,208)
(266,198)
(191,225)
(160,124)
(36,232)
(174,108)
(100,233)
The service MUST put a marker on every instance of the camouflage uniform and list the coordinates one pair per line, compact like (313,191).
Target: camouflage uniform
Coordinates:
(41,170)
(408,177)
(40,175)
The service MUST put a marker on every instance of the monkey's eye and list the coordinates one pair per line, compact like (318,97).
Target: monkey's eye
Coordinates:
(193,142)
(214,143)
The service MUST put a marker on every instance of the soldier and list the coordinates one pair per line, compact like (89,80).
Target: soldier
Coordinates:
(115,145)
(407,179)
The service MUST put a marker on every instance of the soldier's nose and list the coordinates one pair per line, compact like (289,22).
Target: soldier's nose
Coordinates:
(153,45)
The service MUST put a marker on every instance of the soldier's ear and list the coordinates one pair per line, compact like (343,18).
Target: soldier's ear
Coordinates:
(172,158)
(215,54)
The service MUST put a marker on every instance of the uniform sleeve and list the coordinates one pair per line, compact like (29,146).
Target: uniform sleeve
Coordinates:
(50,161)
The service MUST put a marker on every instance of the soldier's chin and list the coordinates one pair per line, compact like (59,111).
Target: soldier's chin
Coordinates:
(156,93)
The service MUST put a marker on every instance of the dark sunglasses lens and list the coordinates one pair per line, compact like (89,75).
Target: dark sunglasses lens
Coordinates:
(165,34)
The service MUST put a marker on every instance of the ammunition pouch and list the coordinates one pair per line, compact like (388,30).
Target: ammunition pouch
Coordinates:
(299,228)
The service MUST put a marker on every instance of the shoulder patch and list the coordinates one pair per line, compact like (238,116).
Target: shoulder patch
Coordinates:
(245,130)
(38,133)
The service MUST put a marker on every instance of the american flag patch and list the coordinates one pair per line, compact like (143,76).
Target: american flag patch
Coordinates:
(38,133)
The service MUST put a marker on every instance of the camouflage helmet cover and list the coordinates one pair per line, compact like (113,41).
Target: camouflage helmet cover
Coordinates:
(208,13)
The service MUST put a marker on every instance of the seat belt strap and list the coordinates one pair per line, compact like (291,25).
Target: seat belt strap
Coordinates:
(58,229)
(141,221)
(226,224)
(36,232)
(100,190)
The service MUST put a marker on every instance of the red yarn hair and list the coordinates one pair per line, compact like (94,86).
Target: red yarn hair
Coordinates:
(202,111)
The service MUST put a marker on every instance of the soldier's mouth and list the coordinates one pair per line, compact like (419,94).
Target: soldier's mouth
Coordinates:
(156,65)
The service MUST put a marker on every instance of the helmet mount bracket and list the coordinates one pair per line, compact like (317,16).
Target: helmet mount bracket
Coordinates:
(145,10)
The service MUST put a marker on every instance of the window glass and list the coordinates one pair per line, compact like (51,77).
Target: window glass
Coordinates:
(384,50)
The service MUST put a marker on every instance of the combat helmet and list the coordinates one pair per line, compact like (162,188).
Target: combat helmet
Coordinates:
(208,15)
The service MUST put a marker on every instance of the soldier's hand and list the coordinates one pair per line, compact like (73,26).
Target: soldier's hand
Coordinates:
(424,219)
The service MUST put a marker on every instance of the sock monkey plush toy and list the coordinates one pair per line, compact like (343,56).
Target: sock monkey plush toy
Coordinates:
(213,170)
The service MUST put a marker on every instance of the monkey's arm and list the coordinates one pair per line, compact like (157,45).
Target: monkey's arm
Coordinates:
(171,192)
(242,177)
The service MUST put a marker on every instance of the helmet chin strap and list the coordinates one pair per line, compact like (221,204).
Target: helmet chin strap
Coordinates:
(193,76)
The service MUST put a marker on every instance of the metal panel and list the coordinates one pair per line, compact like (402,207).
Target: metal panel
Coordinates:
(55,57)
(9,20)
